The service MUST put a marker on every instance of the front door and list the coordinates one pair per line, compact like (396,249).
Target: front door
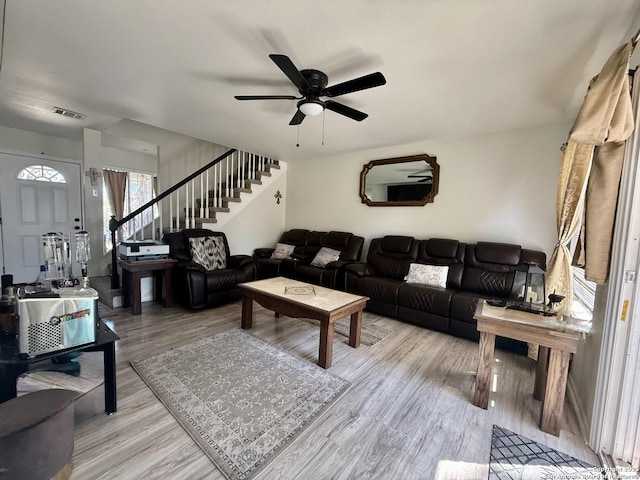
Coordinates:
(38,203)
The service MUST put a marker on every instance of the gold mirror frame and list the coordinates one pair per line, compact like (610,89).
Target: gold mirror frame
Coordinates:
(429,198)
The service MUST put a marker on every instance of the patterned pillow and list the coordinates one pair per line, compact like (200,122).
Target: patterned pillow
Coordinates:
(282,250)
(431,275)
(324,256)
(208,252)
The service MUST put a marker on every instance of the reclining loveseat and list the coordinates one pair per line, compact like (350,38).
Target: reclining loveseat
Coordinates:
(314,257)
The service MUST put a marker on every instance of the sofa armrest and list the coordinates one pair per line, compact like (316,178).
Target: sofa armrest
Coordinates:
(301,258)
(239,261)
(191,266)
(243,262)
(337,264)
(360,269)
(263,252)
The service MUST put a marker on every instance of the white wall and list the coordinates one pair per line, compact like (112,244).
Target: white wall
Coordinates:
(126,160)
(30,142)
(499,187)
(261,222)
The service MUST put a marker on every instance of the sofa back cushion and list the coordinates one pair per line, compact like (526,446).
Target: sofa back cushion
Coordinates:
(491,268)
(298,237)
(349,245)
(391,255)
(444,252)
(314,243)
(178,249)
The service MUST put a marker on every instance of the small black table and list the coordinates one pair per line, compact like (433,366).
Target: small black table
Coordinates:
(12,365)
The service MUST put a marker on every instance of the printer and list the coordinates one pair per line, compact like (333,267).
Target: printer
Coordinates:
(135,250)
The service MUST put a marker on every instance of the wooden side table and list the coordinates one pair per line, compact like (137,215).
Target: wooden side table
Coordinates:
(556,346)
(131,275)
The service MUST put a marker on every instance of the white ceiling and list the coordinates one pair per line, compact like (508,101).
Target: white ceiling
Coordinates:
(453,67)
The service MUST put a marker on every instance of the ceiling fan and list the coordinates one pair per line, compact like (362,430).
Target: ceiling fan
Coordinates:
(312,84)
(423,178)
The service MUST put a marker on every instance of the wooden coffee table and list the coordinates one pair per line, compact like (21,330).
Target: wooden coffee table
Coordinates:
(303,300)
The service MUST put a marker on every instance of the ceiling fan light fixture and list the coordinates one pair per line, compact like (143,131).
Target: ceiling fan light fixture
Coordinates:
(311,108)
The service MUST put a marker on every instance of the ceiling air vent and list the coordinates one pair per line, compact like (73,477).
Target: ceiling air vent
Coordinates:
(68,113)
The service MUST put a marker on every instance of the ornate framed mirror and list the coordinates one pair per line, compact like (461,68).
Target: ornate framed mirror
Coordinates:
(403,181)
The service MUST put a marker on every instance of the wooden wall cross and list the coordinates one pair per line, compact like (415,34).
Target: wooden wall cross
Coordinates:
(94,175)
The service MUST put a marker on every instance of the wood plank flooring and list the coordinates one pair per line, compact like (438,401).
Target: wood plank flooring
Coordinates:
(408,414)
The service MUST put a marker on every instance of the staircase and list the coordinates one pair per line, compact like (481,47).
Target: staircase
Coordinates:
(207,198)
(218,200)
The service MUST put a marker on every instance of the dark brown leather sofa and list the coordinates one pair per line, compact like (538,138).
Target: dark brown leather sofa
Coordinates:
(307,245)
(484,270)
(195,287)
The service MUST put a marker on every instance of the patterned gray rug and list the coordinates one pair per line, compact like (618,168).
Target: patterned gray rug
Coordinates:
(369,335)
(515,457)
(240,398)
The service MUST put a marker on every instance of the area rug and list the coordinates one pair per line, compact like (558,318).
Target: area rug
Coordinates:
(240,398)
(515,457)
(369,335)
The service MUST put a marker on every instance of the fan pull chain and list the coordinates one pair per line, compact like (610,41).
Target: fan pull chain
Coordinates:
(298,139)
(323,112)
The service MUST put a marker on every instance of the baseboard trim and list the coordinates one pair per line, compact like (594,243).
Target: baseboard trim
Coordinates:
(578,408)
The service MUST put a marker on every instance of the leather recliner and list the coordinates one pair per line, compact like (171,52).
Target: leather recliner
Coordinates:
(194,286)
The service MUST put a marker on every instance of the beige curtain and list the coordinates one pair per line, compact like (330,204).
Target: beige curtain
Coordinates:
(116,184)
(590,174)
(574,171)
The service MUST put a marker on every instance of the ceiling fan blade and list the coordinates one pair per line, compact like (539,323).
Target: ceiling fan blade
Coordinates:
(346,111)
(285,64)
(420,176)
(360,83)
(297,118)
(265,97)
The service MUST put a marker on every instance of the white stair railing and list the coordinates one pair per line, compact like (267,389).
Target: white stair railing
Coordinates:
(208,193)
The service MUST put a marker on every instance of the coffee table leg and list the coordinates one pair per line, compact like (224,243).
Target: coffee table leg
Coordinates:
(355,327)
(326,344)
(247,313)
(483,377)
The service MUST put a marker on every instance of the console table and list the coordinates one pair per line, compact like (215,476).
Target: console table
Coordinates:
(556,341)
(12,365)
(131,275)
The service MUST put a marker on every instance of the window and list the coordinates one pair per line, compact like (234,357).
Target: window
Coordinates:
(139,190)
(41,173)
(584,291)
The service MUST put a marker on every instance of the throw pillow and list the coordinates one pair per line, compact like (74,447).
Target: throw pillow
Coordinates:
(208,252)
(324,256)
(282,250)
(432,275)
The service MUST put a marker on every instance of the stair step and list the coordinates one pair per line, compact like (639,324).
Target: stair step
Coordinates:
(254,182)
(231,199)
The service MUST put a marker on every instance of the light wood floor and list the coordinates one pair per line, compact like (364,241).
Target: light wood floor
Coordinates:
(408,414)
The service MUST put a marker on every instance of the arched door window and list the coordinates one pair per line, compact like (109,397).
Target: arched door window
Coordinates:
(41,173)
